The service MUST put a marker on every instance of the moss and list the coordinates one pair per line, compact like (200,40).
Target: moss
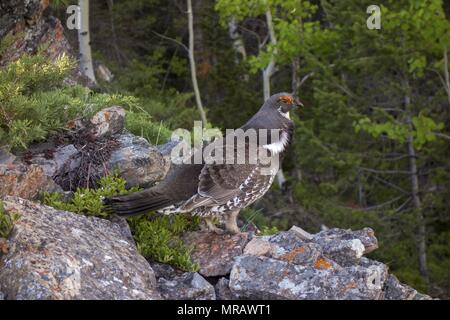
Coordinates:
(157,237)
(6,221)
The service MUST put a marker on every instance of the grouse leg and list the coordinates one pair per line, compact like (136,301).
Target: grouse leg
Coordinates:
(210,227)
(231,222)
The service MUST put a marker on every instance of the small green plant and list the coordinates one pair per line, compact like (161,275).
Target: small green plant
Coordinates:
(6,221)
(157,237)
(89,201)
(267,226)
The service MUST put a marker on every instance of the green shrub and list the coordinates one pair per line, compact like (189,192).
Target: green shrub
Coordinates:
(35,102)
(157,237)
(89,201)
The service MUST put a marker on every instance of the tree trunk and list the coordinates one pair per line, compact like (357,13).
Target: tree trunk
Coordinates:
(267,74)
(85,43)
(268,71)
(295,78)
(113,31)
(198,99)
(238,43)
(415,193)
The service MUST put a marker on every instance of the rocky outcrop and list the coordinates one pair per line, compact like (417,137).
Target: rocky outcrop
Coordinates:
(52,254)
(28,26)
(61,255)
(92,149)
(327,265)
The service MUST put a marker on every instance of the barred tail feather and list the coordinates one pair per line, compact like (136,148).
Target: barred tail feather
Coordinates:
(136,203)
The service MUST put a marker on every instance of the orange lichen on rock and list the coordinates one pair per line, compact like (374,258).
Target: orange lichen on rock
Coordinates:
(321,263)
(290,256)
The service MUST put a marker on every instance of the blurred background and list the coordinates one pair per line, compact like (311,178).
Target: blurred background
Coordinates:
(372,145)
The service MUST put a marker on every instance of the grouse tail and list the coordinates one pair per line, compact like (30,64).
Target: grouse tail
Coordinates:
(136,203)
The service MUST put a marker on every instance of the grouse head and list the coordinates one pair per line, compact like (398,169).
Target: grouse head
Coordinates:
(275,112)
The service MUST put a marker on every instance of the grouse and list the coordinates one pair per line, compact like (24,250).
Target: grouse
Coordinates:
(212,188)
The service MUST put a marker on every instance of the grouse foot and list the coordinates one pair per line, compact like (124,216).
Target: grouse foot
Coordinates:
(211,227)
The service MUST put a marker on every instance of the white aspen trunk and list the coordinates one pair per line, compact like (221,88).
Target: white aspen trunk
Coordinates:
(198,99)
(269,70)
(415,189)
(238,43)
(447,77)
(267,74)
(84,42)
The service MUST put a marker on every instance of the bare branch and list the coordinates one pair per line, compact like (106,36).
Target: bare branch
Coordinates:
(173,40)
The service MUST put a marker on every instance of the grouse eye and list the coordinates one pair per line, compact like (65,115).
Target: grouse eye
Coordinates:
(286,99)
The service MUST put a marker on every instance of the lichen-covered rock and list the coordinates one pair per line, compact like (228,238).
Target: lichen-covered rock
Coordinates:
(394,290)
(25,181)
(139,163)
(188,286)
(346,247)
(108,121)
(61,255)
(267,278)
(215,253)
(25,23)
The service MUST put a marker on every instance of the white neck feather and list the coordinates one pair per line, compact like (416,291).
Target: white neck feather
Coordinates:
(278,146)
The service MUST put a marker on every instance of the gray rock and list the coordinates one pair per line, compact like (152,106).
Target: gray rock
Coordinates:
(61,157)
(188,286)
(258,246)
(108,122)
(223,291)
(266,278)
(139,163)
(6,157)
(61,255)
(394,290)
(345,247)
(2,296)
(215,253)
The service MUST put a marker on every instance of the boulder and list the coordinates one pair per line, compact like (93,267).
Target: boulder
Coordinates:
(394,290)
(223,291)
(255,277)
(25,181)
(188,286)
(139,163)
(215,252)
(326,265)
(55,254)
(108,122)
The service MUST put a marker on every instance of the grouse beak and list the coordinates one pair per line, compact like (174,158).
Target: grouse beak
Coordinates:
(298,104)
